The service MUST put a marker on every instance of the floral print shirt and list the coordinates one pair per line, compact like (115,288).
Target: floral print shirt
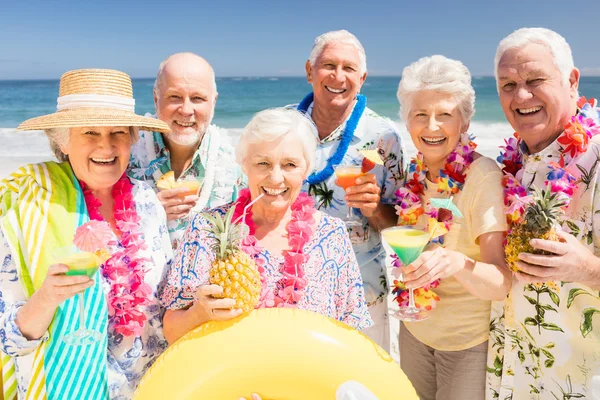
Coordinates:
(334,288)
(545,337)
(373,132)
(214,161)
(128,357)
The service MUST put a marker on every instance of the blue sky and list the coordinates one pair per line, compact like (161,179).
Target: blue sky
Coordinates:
(41,39)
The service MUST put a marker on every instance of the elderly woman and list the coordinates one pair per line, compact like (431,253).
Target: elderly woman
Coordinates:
(444,356)
(91,134)
(276,152)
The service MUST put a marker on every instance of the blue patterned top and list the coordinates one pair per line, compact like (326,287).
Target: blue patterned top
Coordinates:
(335,287)
(128,357)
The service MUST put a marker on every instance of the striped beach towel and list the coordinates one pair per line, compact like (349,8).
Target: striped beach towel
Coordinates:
(41,205)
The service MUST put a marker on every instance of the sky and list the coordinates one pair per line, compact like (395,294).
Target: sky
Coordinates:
(41,39)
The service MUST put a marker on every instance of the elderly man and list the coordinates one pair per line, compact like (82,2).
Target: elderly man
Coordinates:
(185,94)
(545,338)
(336,70)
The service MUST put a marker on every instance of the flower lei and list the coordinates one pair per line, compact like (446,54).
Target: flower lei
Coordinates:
(347,135)
(409,207)
(299,229)
(125,269)
(574,141)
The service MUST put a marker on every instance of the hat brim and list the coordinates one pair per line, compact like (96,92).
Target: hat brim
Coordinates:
(93,117)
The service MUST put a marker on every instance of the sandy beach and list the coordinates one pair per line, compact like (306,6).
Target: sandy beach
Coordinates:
(20,148)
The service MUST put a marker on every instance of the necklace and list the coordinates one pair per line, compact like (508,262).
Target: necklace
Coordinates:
(347,135)
(410,207)
(573,142)
(299,230)
(125,270)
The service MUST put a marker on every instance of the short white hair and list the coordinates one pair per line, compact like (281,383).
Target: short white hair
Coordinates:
(161,68)
(60,137)
(555,43)
(341,37)
(439,74)
(273,125)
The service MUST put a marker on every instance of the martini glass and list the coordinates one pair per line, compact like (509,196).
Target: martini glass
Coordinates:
(346,177)
(408,243)
(79,263)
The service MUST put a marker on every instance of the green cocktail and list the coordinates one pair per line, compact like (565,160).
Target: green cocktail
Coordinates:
(408,243)
(82,263)
(79,263)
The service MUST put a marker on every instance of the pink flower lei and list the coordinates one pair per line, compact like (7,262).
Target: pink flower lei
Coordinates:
(574,141)
(299,229)
(409,207)
(125,269)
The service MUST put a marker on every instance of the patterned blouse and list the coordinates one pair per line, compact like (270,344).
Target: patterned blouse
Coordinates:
(335,288)
(128,357)
(545,337)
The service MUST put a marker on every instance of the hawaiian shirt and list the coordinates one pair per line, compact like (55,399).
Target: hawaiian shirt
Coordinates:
(545,337)
(129,357)
(214,161)
(373,131)
(334,284)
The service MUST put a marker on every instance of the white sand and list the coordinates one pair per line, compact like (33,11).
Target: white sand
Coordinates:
(20,148)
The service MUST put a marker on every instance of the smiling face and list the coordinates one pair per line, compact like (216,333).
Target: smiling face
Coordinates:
(336,77)
(277,170)
(435,125)
(99,155)
(535,99)
(185,98)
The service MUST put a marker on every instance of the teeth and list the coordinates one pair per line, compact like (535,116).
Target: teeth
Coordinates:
(274,192)
(185,124)
(103,160)
(337,91)
(529,110)
(433,140)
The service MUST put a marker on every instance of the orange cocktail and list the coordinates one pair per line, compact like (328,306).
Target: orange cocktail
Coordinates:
(347,174)
(346,177)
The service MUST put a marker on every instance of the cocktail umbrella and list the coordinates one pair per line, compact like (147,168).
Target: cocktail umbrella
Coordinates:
(447,204)
(93,236)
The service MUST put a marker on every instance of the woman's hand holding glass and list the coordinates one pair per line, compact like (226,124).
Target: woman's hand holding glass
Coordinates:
(208,308)
(58,287)
(435,262)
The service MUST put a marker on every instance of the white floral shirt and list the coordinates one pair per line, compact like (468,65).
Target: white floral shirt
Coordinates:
(128,357)
(214,161)
(545,338)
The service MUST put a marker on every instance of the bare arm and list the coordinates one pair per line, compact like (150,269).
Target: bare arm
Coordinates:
(490,278)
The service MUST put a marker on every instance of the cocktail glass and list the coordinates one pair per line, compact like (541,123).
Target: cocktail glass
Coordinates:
(408,243)
(346,177)
(79,263)
(192,184)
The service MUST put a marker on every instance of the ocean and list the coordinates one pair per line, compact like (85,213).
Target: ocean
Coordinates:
(239,99)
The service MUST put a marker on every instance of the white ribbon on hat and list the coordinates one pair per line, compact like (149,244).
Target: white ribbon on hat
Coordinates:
(73,101)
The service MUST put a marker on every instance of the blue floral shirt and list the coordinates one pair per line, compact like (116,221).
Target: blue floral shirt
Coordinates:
(128,357)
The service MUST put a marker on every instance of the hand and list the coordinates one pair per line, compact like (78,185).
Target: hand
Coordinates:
(434,263)
(207,308)
(365,195)
(254,397)
(175,206)
(571,261)
(58,287)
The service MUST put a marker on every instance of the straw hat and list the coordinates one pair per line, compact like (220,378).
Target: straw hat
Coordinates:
(94,97)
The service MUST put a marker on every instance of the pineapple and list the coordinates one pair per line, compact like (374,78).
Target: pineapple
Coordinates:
(539,222)
(233,270)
